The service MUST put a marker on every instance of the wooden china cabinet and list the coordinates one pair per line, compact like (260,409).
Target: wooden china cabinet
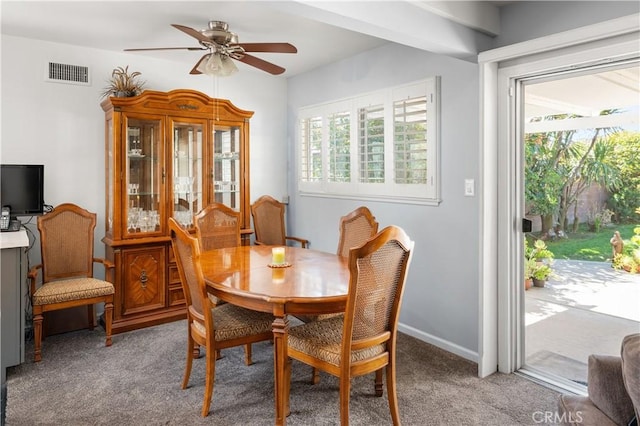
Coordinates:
(167,155)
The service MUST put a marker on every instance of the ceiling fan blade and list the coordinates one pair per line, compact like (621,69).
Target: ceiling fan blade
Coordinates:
(259,63)
(194,70)
(193,33)
(166,48)
(268,47)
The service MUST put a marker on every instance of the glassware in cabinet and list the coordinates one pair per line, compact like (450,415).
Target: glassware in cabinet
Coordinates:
(187,170)
(143,176)
(226,169)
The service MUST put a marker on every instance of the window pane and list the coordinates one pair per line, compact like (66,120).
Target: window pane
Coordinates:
(410,140)
(394,155)
(371,143)
(339,147)
(311,147)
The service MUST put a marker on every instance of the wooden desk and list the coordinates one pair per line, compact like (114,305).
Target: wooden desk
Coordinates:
(315,283)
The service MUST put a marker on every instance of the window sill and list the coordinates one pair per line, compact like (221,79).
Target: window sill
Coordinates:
(381,198)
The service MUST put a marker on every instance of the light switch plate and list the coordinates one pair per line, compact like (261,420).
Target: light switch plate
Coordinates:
(469,187)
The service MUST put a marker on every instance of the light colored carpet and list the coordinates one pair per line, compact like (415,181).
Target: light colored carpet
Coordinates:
(137,382)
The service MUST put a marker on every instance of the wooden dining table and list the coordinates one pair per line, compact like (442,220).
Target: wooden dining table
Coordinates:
(315,282)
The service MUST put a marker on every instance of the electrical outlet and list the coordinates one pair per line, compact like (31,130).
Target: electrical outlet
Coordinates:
(285,199)
(469,187)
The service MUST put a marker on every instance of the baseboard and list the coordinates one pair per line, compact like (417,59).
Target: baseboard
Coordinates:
(441,343)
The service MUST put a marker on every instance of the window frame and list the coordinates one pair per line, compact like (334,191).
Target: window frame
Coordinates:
(425,194)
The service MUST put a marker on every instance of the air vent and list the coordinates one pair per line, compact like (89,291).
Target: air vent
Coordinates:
(70,74)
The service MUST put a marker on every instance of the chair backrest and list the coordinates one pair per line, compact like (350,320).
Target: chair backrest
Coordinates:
(268,221)
(355,229)
(187,253)
(378,271)
(217,226)
(66,242)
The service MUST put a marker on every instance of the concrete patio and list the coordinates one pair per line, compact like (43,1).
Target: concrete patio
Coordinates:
(585,308)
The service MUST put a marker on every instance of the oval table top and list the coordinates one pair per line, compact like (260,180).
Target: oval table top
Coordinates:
(313,277)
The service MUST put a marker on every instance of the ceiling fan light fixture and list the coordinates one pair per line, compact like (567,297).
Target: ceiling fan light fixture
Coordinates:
(217,64)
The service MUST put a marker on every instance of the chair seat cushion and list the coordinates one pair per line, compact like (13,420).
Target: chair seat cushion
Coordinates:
(323,340)
(73,289)
(231,322)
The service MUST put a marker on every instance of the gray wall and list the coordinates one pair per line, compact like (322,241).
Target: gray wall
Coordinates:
(441,297)
(525,20)
(441,300)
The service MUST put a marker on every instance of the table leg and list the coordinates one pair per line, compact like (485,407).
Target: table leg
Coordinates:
(280,329)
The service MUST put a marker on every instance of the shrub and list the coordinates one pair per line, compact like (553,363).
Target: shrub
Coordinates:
(629,259)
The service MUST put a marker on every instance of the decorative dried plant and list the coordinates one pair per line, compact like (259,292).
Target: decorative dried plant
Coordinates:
(123,84)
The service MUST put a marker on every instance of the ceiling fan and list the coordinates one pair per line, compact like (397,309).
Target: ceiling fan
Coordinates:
(223,46)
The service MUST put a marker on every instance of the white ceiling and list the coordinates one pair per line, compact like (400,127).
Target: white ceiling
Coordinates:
(583,95)
(323,32)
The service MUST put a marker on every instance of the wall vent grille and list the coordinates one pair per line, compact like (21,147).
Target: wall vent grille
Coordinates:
(65,73)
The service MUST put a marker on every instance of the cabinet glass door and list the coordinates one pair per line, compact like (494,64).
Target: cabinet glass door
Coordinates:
(143,180)
(187,171)
(226,165)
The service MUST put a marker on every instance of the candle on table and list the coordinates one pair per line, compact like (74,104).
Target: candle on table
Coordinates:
(277,255)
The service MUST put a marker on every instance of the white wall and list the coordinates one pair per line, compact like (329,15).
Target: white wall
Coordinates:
(62,125)
(441,296)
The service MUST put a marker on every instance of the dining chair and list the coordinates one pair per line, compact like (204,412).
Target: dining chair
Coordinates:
(210,326)
(268,221)
(67,279)
(363,340)
(217,226)
(356,228)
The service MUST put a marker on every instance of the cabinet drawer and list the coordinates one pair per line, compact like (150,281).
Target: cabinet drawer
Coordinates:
(174,275)
(176,295)
(144,280)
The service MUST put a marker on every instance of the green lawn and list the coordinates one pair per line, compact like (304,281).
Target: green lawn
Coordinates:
(585,245)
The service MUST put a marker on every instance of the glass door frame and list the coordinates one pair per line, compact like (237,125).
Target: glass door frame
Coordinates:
(159,173)
(614,39)
(187,186)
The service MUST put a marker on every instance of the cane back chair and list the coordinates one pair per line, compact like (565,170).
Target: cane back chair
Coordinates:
(210,326)
(217,226)
(363,340)
(356,228)
(66,246)
(268,221)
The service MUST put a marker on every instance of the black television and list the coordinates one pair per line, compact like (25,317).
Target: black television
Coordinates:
(22,189)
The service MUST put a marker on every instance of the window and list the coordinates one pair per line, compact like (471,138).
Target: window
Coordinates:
(339,150)
(311,157)
(371,143)
(381,145)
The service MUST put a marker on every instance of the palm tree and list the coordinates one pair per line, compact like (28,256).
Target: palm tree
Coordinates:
(559,169)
